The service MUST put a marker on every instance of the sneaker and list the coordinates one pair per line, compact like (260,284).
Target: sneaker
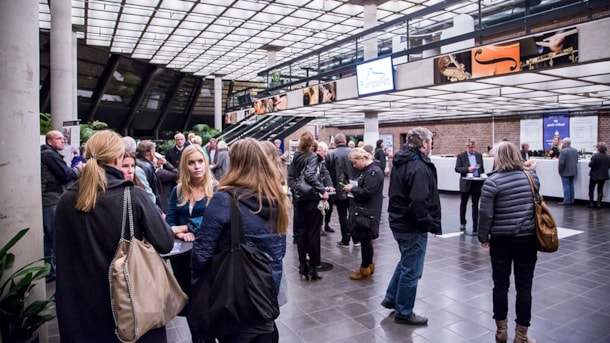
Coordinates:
(329,229)
(388,304)
(342,244)
(413,319)
(356,244)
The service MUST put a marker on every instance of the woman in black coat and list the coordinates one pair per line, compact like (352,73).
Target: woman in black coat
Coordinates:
(88,229)
(365,209)
(600,163)
(309,168)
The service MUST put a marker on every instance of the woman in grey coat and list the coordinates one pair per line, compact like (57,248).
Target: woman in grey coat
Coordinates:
(222,161)
(507,227)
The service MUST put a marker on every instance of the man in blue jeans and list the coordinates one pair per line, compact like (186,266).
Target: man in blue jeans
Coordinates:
(567,167)
(414,210)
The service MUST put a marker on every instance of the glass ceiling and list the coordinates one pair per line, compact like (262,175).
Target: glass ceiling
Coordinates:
(231,38)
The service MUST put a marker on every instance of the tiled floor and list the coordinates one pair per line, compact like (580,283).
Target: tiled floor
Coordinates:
(571,291)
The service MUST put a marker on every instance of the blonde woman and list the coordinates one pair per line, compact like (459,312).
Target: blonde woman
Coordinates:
(255,183)
(187,203)
(88,225)
(365,209)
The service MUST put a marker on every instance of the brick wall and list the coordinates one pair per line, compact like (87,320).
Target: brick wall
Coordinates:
(450,135)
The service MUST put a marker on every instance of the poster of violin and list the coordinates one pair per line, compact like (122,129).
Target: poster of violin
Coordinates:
(535,52)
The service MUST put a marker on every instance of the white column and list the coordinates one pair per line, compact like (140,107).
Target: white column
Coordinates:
(62,64)
(20,202)
(371,128)
(271,58)
(370,20)
(75,78)
(218,102)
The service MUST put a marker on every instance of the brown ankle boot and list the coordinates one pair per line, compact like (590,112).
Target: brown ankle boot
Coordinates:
(362,273)
(502,332)
(521,335)
(372,268)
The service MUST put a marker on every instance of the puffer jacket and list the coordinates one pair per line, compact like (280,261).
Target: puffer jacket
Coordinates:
(214,233)
(414,205)
(507,207)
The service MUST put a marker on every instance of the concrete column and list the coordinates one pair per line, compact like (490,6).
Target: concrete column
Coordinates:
(62,64)
(370,20)
(271,57)
(218,102)
(75,78)
(371,128)
(20,202)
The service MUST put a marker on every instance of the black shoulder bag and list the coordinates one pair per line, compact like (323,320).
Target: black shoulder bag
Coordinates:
(241,287)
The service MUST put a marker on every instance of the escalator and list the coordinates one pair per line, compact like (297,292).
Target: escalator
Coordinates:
(264,127)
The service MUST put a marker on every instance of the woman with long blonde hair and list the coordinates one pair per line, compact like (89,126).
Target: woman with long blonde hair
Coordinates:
(254,182)
(187,204)
(88,228)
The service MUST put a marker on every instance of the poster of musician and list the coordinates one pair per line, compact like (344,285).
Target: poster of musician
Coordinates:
(549,49)
(328,92)
(452,67)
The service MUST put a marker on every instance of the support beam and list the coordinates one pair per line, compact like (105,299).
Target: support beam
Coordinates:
(168,102)
(138,97)
(102,83)
(190,106)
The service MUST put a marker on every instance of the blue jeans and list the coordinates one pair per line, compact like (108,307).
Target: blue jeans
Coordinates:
(568,189)
(48,225)
(403,285)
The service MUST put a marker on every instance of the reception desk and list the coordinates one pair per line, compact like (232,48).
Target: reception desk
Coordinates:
(550,181)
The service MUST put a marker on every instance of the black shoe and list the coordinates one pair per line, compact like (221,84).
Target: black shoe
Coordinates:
(322,233)
(463,227)
(342,244)
(413,319)
(329,229)
(387,304)
(356,243)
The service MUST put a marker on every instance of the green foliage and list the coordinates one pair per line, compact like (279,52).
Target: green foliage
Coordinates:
(87,130)
(166,145)
(45,123)
(275,76)
(205,131)
(18,323)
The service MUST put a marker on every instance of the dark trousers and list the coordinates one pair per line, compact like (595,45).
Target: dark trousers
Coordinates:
(600,189)
(307,220)
(181,266)
(342,211)
(367,252)
(475,193)
(331,201)
(520,253)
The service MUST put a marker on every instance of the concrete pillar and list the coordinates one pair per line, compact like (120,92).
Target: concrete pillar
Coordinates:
(371,128)
(75,78)
(218,102)
(63,72)
(370,20)
(271,57)
(20,202)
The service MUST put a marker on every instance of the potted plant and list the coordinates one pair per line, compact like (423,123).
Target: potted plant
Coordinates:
(18,322)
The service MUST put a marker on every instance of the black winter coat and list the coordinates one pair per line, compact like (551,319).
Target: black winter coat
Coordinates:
(85,246)
(55,175)
(313,169)
(366,205)
(600,163)
(414,205)
(340,169)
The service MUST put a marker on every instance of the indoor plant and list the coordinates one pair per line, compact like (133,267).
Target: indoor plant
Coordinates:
(18,322)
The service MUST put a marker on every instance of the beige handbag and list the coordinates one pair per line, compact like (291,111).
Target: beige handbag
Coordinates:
(144,293)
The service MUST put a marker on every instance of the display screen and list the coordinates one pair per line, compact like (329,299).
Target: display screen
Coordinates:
(375,76)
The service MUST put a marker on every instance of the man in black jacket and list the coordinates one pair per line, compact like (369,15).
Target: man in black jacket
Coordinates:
(414,210)
(341,171)
(174,154)
(470,161)
(55,177)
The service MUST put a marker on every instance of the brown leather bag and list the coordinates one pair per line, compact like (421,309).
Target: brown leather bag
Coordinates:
(144,293)
(546,229)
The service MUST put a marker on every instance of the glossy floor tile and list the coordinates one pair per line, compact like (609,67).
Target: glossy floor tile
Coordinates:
(571,291)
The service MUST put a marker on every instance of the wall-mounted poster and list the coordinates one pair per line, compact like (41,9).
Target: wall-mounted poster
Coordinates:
(555,124)
(452,68)
(310,95)
(280,102)
(583,132)
(231,118)
(531,133)
(495,59)
(328,92)
(549,49)
(259,106)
